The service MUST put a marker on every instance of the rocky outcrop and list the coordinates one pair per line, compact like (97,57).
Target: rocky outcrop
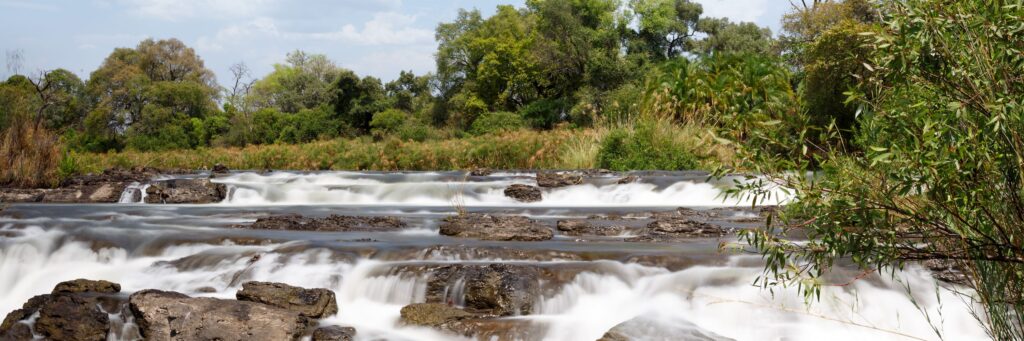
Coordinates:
(555,179)
(185,191)
(74,311)
(332,223)
(220,169)
(481,172)
(628,179)
(315,303)
(523,193)
(163,315)
(334,333)
(580,227)
(685,227)
(488,227)
(498,289)
(432,314)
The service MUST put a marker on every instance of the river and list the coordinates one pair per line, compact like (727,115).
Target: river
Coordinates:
(667,290)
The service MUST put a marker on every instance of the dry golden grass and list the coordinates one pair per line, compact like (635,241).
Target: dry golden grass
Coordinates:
(30,155)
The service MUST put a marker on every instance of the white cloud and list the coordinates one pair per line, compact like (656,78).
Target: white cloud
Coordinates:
(738,10)
(383,29)
(176,10)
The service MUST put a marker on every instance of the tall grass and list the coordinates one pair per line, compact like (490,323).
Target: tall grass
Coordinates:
(31,155)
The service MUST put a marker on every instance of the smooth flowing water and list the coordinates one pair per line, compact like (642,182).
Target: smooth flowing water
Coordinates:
(666,290)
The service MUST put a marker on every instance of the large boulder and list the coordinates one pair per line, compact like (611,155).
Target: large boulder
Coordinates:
(467,324)
(488,227)
(332,223)
(163,315)
(498,289)
(523,193)
(185,191)
(334,333)
(76,310)
(315,303)
(555,179)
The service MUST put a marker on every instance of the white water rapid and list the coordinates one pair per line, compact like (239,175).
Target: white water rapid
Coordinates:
(672,290)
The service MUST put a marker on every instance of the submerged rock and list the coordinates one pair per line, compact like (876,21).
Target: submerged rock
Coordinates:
(488,227)
(164,315)
(332,223)
(579,227)
(481,172)
(628,180)
(554,179)
(185,191)
(650,328)
(334,333)
(315,303)
(466,324)
(523,193)
(431,314)
(498,289)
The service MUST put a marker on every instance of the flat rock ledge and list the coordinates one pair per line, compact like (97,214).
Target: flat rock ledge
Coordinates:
(332,223)
(495,227)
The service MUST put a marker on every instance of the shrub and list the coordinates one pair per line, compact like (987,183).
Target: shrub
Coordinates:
(30,155)
(496,122)
(387,122)
(545,113)
(649,146)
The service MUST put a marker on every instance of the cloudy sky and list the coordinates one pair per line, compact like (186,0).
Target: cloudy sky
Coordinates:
(375,37)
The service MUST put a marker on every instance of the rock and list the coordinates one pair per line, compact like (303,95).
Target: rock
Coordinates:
(460,322)
(683,226)
(220,168)
(553,179)
(523,193)
(85,285)
(628,180)
(334,333)
(579,227)
(17,332)
(315,303)
(163,315)
(481,172)
(185,191)
(332,223)
(499,289)
(652,328)
(488,227)
(71,317)
(431,314)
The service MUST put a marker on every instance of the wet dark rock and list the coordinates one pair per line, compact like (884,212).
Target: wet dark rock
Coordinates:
(315,303)
(163,315)
(185,191)
(206,290)
(499,289)
(554,179)
(628,180)
(86,285)
(946,271)
(334,333)
(488,227)
(481,172)
(17,332)
(220,168)
(333,223)
(523,193)
(580,227)
(71,317)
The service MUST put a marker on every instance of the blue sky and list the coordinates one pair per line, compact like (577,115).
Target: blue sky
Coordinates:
(372,37)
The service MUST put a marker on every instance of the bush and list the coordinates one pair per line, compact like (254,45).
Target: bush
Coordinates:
(545,113)
(30,155)
(496,122)
(387,122)
(649,146)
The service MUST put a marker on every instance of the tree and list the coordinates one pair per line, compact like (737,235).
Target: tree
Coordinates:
(724,36)
(666,27)
(940,176)
(304,81)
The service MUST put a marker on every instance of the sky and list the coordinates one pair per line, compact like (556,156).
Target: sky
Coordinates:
(371,37)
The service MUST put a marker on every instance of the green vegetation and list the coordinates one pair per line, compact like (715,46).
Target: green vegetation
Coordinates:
(909,112)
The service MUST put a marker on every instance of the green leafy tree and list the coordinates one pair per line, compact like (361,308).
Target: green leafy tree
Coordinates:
(666,27)
(723,36)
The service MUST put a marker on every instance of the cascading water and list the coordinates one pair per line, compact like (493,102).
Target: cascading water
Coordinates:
(651,291)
